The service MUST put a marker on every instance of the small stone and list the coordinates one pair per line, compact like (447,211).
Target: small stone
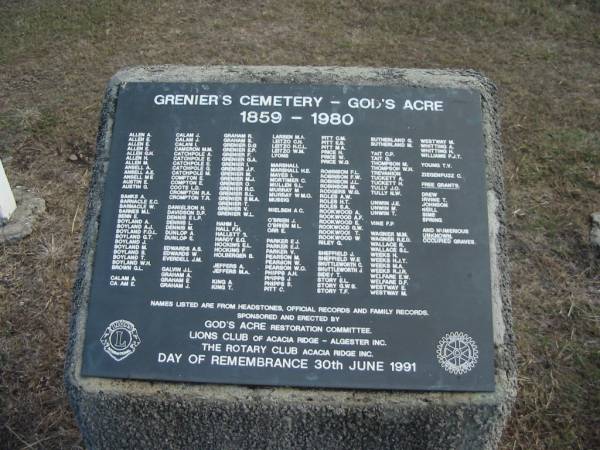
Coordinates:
(20,224)
(73,157)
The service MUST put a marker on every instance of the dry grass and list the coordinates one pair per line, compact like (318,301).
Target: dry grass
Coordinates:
(56,57)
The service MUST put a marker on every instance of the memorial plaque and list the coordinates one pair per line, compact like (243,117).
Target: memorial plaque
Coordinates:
(294,235)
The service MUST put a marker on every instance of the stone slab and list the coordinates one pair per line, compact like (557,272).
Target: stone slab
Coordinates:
(136,414)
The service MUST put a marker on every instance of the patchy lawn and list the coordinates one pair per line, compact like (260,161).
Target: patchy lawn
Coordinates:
(56,57)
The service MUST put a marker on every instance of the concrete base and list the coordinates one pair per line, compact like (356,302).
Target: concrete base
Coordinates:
(135,414)
(20,224)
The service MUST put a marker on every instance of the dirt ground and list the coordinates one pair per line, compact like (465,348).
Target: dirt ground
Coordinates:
(55,60)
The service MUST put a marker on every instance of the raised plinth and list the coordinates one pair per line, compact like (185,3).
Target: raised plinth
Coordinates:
(114,412)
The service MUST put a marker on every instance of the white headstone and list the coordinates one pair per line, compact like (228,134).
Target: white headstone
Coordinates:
(7,199)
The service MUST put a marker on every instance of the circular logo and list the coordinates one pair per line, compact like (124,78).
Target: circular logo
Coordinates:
(457,353)
(120,339)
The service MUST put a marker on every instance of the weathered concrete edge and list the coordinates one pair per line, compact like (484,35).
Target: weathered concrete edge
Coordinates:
(503,337)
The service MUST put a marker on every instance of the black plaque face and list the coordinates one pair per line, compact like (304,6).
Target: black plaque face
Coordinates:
(294,235)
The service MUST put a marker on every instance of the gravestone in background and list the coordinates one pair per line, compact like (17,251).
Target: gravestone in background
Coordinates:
(294,257)
(7,199)
(19,210)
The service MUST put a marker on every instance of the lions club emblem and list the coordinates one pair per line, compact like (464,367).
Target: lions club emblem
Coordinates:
(120,339)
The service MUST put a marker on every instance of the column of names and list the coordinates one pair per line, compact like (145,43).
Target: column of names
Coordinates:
(340,222)
(388,274)
(441,180)
(133,229)
(237,199)
(287,180)
(188,197)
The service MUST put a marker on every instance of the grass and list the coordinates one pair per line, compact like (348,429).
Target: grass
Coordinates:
(556,286)
(55,59)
